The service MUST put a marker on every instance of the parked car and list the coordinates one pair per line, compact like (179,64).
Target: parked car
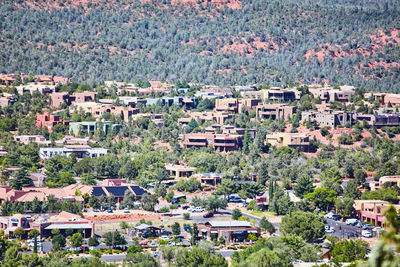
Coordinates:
(164,237)
(208,215)
(366,226)
(336,217)
(351,221)
(153,245)
(329,231)
(327,227)
(126,210)
(187,228)
(144,244)
(109,211)
(235,199)
(155,254)
(376,229)
(186,207)
(366,234)
(329,215)
(198,209)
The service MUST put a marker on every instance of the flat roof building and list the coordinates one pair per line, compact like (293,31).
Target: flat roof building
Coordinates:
(275,111)
(299,141)
(231,231)
(328,118)
(80,151)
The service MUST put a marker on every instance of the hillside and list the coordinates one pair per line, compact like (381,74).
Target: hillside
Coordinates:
(210,41)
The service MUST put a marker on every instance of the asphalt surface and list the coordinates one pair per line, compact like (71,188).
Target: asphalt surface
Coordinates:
(343,230)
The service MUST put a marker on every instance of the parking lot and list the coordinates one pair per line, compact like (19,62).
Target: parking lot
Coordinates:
(343,230)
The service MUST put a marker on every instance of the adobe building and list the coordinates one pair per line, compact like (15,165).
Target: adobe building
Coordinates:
(231,231)
(6,99)
(179,171)
(48,121)
(372,211)
(391,179)
(219,142)
(230,105)
(57,99)
(379,120)
(218,117)
(330,118)
(274,94)
(44,223)
(328,94)
(299,141)
(275,111)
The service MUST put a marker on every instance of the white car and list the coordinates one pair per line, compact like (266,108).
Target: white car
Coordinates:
(329,231)
(351,221)
(376,229)
(366,234)
(327,227)
(164,237)
(329,215)
(198,209)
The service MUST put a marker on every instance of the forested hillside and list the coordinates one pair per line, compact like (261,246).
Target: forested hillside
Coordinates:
(222,42)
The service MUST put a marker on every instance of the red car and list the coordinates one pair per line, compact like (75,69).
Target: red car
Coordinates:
(208,215)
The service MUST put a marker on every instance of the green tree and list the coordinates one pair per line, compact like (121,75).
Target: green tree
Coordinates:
(236,214)
(134,249)
(34,234)
(200,257)
(76,240)
(176,228)
(387,194)
(148,202)
(19,232)
(246,141)
(140,259)
(129,200)
(124,225)
(113,239)
(227,187)
(304,186)
(345,206)
(351,190)
(323,197)
(88,179)
(195,234)
(188,185)
(20,179)
(128,171)
(93,242)
(307,225)
(58,242)
(160,190)
(214,204)
(251,190)
(267,225)
(350,250)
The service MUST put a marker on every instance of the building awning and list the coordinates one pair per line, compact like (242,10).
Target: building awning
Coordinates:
(238,232)
(214,232)
(204,230)
(68,226)
(253,231)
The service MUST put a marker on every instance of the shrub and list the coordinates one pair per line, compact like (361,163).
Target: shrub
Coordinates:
(186,216)
(164,210)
